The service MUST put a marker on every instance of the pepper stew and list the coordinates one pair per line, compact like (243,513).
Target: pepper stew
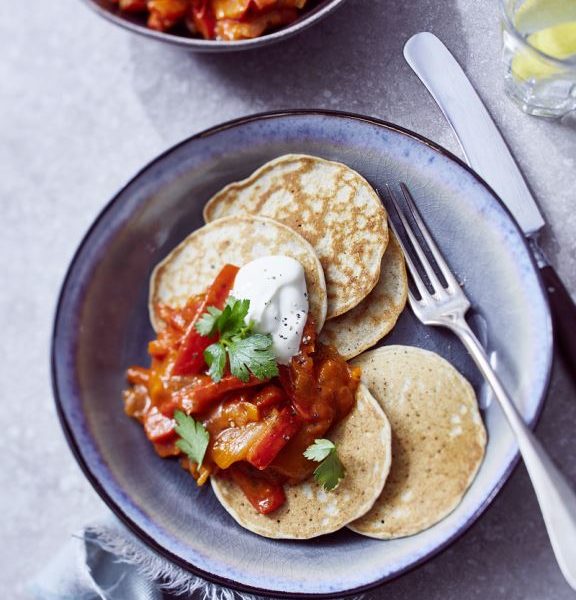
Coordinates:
(258,429)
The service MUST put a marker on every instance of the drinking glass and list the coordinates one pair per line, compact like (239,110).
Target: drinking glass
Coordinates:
(539,55)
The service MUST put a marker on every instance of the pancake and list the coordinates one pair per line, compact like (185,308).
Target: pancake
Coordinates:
(363,441)
(331,206)
(438,439)
(360,328)
(192,266)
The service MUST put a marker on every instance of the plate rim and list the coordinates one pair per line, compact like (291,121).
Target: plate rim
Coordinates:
(118,511)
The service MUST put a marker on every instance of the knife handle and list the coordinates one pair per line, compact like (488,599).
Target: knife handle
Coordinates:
(564,316)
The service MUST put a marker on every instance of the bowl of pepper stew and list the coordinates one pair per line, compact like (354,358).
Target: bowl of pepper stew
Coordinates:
(215,25)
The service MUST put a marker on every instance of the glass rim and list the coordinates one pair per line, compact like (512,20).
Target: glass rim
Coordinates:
(507,16)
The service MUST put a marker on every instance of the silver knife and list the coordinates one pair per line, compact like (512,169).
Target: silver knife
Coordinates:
(487,153)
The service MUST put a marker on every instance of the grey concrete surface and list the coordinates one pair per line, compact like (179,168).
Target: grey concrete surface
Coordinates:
(84,105)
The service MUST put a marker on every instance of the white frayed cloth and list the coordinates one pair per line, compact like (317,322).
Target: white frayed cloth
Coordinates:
(105,561)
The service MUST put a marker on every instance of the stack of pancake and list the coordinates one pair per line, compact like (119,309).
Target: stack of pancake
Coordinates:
(414,441)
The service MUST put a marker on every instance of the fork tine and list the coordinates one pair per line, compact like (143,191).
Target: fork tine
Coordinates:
(432,277)
(422,289)
(438,257)
(412,300)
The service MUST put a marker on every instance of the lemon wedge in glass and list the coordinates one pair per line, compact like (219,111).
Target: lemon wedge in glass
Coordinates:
(558,41)
(535,15)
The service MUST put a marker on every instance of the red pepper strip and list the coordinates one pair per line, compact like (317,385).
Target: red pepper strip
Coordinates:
(190,357)
(169,407)
(264,495)
(158,428)
(264,4)
(230,9)
(164,14)
(138,376)
(203,18)
(298,379)
(198,398)
(281,428)
(133,5)
(301,390)
(269,397)
(167,449)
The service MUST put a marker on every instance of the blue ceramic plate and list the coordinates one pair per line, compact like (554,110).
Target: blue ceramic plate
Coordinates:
(315,11)
(102,327)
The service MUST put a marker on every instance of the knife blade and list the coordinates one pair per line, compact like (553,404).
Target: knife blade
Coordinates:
(483,145)
(487,153)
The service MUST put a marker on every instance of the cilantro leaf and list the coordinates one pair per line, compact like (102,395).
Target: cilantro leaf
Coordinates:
(247,351)
(222,322)
(233,317)
(193,437)
(215,357)
(252,354)
(330,471)
(227,322)
(208,322)
(319,450)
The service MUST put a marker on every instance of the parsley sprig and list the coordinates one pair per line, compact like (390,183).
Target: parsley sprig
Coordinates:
(330,471)
(193,437)
(245,350)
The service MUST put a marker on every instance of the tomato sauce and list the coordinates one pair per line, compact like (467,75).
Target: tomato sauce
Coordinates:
(258,430)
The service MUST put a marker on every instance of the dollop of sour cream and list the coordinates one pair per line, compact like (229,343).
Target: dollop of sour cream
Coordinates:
(276,288)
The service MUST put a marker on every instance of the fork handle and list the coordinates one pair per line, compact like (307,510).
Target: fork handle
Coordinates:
(556,497)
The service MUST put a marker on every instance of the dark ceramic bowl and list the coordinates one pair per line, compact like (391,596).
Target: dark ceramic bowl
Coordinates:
(317,11)
(102,327)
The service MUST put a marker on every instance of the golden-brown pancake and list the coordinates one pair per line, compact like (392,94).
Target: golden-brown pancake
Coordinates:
(438,439)
(330,205)
(361,327)
(192,266)
(363,442)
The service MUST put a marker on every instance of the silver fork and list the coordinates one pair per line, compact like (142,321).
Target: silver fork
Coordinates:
(446,306)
